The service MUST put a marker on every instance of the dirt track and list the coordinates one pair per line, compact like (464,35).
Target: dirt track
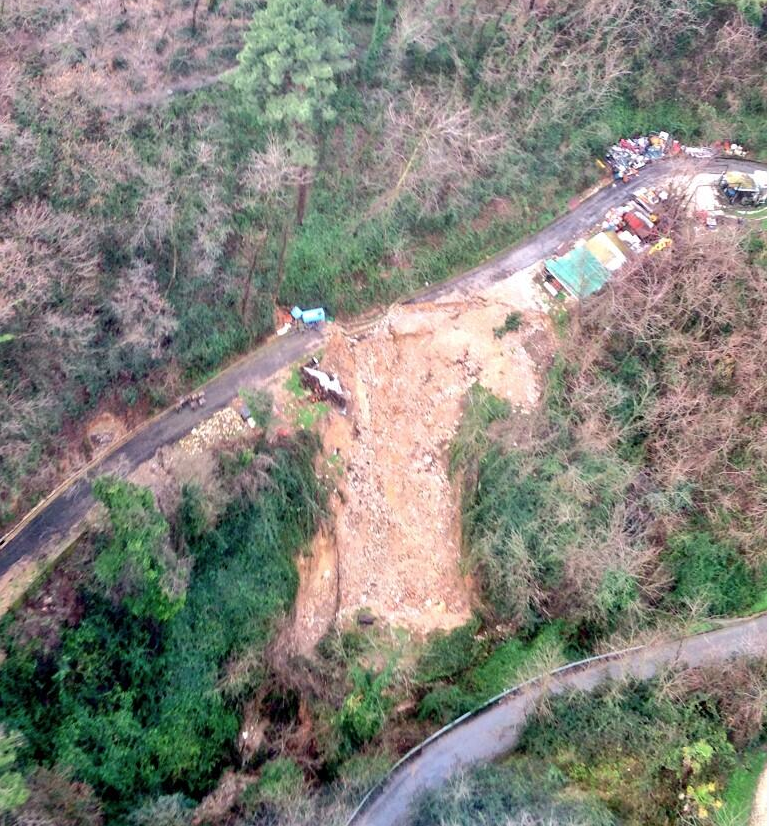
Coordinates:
(495,731)
(39,535)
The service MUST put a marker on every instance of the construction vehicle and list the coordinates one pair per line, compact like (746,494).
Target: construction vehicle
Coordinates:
(743,188)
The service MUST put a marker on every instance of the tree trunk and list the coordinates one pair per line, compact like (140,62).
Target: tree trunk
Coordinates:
(301,201)
(195,5)
(282,258)
(249,279)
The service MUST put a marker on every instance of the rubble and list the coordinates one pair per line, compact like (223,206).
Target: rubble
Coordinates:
(631,154)
(323,386)
(397,531)
(222,426)
(194,400)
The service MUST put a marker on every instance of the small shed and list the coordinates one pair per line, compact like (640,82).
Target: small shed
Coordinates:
(580,272)
(608,249)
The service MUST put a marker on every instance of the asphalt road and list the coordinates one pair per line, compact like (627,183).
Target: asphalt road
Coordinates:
(495,732)
(64,511)
(53,521)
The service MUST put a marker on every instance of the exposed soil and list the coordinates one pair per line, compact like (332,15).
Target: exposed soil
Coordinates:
(104,430)
(397,526)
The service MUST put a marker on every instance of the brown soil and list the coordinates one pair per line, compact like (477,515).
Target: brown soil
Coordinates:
(495,209)
(316,602)
(104,430)
(397,522)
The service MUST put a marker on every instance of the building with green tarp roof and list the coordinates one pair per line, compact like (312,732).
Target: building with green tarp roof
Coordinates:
(579,272)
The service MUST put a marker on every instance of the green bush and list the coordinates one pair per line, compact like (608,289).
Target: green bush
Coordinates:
(445,703)
(449,654)
(364,710)
(516,791)
(512,324)
(515,660)
(136,561)
(710,574)
(634,746)
(136,706)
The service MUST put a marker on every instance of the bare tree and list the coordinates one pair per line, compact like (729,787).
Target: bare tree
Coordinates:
(146,319)
(433,146)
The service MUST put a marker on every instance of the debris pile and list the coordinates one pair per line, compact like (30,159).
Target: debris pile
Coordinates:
(743,188)
(299,319)
(631,154)
(626,228)
(324,387)
(194,400)
(222,426)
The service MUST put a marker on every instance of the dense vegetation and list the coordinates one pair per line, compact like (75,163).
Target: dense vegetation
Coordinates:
(651,753)
(637,490)
(144,240)
(388,144)
(136,685)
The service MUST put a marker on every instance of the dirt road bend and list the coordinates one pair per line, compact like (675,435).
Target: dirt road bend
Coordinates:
(491,733)
(55,518)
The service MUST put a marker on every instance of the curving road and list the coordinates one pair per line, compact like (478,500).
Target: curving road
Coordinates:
(54,519)
(495,730)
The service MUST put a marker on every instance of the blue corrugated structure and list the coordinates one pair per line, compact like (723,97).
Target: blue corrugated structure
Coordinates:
(313,316)
(579,271)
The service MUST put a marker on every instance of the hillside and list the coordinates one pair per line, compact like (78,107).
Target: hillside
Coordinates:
(261,618)
(146,236)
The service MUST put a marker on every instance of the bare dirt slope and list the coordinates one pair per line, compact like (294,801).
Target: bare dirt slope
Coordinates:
(397,520)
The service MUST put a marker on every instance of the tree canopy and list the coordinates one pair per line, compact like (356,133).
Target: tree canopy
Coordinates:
(292,53)
(137,562)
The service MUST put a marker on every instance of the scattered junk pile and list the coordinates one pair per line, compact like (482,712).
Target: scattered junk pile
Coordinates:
(626,229)
(299,319)
(729,148)
(631,154)
(194,400)
(743,188)
(244,411)
(323,386)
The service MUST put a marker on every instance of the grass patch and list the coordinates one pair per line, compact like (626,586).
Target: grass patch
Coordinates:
(740,792)
(305,417)
(294,384)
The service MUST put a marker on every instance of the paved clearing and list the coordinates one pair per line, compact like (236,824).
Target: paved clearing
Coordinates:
(494,732)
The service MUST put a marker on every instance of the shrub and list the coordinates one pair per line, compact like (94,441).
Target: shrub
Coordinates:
(136,706)
(445,703)
(364,709)
(137,562)
(518,791)
(449,654)
(512,324)
(709,574)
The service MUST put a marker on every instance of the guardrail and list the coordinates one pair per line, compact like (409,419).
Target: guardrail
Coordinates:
(379,787)
(376,790)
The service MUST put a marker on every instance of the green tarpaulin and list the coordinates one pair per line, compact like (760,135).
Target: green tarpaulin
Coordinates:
(579,271)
